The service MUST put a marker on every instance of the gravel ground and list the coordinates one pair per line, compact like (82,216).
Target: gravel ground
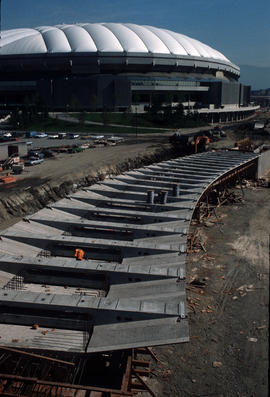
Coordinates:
(66,166)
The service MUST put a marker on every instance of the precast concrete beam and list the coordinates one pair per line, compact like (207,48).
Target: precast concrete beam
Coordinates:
(171,267)
(136,254)
(186,196)
(74,305)
(169,228)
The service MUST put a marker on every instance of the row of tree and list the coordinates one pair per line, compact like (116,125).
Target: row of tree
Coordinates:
(173,117)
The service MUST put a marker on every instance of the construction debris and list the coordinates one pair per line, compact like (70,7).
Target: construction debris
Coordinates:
(197,282)
(253,339)
(217,364)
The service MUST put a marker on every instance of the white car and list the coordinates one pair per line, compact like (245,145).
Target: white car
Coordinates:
(116,139)
(53,136)
(97,136)
(7,134)
(40,135)
(33,161)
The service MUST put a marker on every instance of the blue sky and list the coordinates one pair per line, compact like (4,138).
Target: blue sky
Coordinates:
(240,29)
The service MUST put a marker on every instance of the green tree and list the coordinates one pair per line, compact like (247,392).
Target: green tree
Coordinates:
(105,117)
(82,118)
(179,111)
(93,103)
(75,103)
(126,119)
(14,119)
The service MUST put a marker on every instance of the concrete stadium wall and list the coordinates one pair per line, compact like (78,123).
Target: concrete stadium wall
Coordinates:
(230,93)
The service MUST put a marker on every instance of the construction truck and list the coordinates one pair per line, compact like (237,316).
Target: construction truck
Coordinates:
(10,161)
(18,168)
(190,143)
(244,145)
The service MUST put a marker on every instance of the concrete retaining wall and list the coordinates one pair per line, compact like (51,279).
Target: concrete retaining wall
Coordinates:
(264,164)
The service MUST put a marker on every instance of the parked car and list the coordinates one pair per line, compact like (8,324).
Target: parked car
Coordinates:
(218,131)
(48,153)
(74,136)
(53,136)
(115,139)
(97,137)
(35,154)
(223,134)
(62,135)
(40,135)
(31,134)
(33,161)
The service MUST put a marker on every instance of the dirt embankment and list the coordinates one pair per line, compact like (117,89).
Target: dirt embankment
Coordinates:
(58,177)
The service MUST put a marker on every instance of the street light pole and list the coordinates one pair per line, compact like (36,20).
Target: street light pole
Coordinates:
(136,122)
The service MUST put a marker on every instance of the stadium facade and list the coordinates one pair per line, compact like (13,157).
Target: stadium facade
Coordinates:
(117,67)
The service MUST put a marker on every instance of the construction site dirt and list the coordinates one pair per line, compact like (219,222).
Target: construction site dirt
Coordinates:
(228,299)
(227,271)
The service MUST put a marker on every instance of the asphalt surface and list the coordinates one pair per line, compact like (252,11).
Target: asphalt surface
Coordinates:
(48,143)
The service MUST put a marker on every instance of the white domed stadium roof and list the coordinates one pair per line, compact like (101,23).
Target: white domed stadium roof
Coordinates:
(118,38)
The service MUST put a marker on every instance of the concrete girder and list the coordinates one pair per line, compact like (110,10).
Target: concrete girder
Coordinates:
(139,265)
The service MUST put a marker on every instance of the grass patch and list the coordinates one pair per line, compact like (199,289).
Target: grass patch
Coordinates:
(128,119)
(55,125)
(141,120)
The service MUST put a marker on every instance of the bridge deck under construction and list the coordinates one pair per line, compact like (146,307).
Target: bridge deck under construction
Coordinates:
(129,290)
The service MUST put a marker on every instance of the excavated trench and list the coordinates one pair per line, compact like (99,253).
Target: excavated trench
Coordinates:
(29,195)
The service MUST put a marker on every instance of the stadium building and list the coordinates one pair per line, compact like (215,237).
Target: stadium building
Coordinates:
(117,67)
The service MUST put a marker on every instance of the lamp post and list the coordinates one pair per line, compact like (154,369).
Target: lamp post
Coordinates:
(136,122)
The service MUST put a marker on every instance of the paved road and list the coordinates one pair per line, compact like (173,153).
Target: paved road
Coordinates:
(50,143)
(47,143)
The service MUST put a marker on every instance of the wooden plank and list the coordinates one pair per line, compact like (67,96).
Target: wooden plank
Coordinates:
(9,349)
(127,375)
(148,350)
(142,372)
(141,363)
(144,384)
(66,385)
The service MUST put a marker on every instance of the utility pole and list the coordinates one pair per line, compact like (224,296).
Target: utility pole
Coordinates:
(136,121)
